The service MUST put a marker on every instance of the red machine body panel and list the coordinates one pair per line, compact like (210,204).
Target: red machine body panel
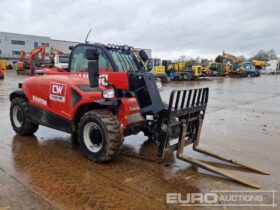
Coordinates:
(56,93)
(129,112)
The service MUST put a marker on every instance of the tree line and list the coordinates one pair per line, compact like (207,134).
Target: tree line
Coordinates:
(261,55)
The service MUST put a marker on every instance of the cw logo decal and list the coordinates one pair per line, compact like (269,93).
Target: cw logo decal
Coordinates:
(57,92)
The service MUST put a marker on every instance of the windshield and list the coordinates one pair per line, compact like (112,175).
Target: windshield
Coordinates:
(213,66)
(248,65)
(157,62)
(124,60)
(236,66)
(63,59)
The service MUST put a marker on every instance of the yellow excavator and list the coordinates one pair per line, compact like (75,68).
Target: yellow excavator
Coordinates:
(235,61)
(239,68)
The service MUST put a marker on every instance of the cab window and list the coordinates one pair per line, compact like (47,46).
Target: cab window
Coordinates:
(79,62)
(103,62)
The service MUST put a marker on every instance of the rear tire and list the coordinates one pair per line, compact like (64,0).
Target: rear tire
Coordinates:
(100,135)
(19,118)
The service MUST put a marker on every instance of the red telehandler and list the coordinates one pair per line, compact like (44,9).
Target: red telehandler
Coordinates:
(106,95)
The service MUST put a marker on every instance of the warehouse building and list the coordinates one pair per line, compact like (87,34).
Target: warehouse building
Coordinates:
(62,46)
(12,43)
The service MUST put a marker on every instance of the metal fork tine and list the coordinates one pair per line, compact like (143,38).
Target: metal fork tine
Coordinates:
(236,162)
(198,101)
(171,101)
(216,170)
(183,99)
(203,96)
(189,98)
(206,95)
(177,99)
(218,156)
(194,97)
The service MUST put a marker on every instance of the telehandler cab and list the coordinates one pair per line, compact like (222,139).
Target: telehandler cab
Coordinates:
(106,95)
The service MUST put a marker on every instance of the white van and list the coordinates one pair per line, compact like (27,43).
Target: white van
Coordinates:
(272,67)
(61,61)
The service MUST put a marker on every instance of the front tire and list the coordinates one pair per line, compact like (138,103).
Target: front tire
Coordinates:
(100,135)
(20,121)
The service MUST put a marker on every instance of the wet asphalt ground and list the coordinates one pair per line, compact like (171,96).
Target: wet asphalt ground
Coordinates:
(46,171)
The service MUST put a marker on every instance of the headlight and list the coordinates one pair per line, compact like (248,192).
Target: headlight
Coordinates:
(126,47)
(134,108)
(110,93)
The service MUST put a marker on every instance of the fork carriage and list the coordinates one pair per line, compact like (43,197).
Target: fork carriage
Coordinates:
(181,121)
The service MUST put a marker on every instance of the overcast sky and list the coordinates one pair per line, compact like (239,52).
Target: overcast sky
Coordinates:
(170,28)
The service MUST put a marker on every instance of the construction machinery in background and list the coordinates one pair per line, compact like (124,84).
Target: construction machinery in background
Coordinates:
(155,66)
(259,65)
(197,71)
(3,64)
(28,65)
(106,95)
(248,70)
(181,70)
(237,67)
(3,67)
(218,69)
(22,63)
(167,64)
(149,66)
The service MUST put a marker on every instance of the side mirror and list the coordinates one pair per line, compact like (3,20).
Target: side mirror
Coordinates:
(93,75)
(71,48)
(143,55)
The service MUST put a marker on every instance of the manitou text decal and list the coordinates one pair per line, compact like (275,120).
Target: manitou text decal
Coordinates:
(58,92)
(80,74)
(39,100)
(103,78)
